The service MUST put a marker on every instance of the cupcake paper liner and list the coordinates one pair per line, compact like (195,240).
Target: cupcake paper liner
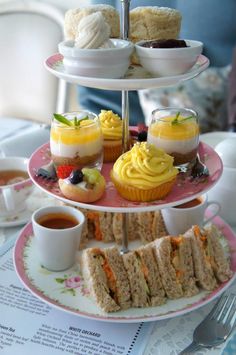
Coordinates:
(112,152)
(132,193)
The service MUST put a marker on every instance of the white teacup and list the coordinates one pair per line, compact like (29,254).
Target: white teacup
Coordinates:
(57,231)
(225,193)
(13,190)
(180,218)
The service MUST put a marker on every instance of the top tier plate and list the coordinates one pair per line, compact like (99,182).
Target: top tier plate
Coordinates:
(136,78)
(185,189)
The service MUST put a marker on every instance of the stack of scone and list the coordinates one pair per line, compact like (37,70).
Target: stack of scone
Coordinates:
(146,22)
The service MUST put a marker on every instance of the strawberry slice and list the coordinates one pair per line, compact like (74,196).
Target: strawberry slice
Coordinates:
(63,171)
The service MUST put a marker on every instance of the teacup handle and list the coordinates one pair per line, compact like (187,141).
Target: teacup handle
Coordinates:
(8,199)
(218,208)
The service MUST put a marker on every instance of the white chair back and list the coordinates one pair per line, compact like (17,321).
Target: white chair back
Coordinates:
(29,33)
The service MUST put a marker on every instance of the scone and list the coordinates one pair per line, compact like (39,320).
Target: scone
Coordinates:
(86,185)
(111,125)
(153,22)
(73,17)
(144,173)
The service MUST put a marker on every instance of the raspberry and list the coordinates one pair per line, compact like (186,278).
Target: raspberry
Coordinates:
(63,171)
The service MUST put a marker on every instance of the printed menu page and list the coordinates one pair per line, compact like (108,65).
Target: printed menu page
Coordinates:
(29,326)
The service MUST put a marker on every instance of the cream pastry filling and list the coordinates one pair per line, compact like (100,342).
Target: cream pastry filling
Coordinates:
(74,150)
(179,146)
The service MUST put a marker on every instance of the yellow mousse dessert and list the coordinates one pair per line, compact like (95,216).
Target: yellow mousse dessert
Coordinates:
(144,173)
(111,125)
(76,139)
(177,134)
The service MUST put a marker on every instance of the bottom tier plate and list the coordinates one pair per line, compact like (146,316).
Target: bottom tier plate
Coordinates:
(67,290)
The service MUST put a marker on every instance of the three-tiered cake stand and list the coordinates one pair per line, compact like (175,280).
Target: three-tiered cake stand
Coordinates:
(185,189)
(54,64)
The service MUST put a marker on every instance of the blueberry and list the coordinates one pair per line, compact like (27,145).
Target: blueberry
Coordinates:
(76,176)
(142,136)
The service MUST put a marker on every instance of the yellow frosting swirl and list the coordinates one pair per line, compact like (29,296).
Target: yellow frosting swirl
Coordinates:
(111,125)
(145,166)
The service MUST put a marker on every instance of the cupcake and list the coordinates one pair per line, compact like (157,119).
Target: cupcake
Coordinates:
(111,125)
(144,173)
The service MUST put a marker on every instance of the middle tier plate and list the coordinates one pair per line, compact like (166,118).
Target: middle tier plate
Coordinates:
(185,188)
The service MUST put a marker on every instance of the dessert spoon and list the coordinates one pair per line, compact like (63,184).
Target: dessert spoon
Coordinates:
(199,169)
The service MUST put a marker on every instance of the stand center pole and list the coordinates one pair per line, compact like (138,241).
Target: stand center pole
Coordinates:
(125,5)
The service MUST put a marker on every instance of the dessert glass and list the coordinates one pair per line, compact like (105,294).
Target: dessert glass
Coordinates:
(176,131)
(79,145)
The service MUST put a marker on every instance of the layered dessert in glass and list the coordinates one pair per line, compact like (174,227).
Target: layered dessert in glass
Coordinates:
(177,132)
(76,139)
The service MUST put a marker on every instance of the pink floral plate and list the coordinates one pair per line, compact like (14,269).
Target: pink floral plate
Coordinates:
(184,190)
(67,290)
(136,77)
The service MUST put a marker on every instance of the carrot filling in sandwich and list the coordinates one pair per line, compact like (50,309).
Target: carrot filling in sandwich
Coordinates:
(94,218)
(175,257)
(111,279)
(204,243)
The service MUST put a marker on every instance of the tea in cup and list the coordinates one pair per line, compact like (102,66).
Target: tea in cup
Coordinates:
(76,139)
(57,232)
(180,218)
(177,132)
(15,185)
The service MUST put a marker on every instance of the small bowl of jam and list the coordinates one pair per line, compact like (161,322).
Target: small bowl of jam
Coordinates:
(168,57)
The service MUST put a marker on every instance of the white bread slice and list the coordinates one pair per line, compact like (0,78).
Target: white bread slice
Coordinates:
(219,262)
(151,274)
(202,266)
(171,284)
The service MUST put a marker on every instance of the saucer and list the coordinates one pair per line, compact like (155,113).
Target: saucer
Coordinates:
(213,138)
(17,219)
(35,200)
